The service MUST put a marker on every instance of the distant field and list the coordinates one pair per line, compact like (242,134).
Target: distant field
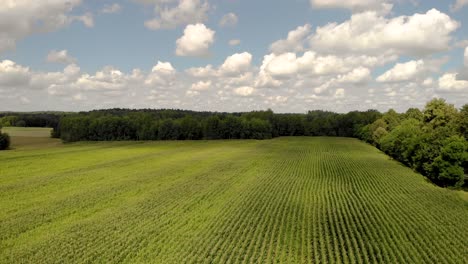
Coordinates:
(27,131)
(30,137)
(287,200)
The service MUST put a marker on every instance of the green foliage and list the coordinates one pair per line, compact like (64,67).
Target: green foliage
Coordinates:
(4,141)
(448,166)
(7,121)
(438,113)
(463,121)
(414,113)
(432,142)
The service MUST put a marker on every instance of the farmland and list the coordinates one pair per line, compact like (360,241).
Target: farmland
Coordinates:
(286,200)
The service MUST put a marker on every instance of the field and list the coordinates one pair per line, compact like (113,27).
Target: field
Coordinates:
(30,137)
(287,200)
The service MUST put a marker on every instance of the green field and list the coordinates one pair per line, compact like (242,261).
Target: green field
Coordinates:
(287,200)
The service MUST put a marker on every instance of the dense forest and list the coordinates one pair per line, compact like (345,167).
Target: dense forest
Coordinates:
(432,141)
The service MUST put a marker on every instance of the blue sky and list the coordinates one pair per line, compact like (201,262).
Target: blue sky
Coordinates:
(75,55)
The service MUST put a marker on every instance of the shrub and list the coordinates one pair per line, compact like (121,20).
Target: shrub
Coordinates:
(4,141)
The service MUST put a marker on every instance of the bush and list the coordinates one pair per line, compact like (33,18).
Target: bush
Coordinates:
(4,141)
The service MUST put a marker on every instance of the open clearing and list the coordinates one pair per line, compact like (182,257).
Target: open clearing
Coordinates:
(287,200)
(30,137)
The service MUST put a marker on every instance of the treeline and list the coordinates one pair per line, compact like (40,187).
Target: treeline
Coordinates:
(432,142)
(38,119)
(122,124)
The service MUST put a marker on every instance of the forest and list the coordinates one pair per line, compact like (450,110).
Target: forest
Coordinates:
(432,141)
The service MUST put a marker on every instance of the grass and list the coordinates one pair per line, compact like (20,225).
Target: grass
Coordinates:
(287,200)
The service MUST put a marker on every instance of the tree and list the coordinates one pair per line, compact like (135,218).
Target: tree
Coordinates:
(438,113)
(212,127)
(463,121)
(4,140)
(447,168)
(401,142)
(392,118)
(414,113)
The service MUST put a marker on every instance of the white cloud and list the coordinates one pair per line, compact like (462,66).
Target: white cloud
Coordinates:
(355,5)
(185,12)
(370,33)
(288,65)
(459,4)
(111,9)
(428,82)
(87,19)
(196,41)
(201,86)
(20,18)
(244,91)
(294,42)
(229,20)
(60,57)
(401,72)
(109,78)
(339,93)
(465,61)
(13,75)
(164,68)
(281,66)
(161,75)
(202,72)
(358,75)
(236,63)
(449,83)
(234,42)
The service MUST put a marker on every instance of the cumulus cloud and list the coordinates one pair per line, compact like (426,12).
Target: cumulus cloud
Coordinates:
(202,72)
(61,56)
(185,12)
(201,86)
(234,42)
(288,65)
(21,18)
(229,20)
(163,68)
(294,42)
(459,4)
(449,83)
(13,75)
(162,75)
(236,63)
(354,5)
(196,41)
(358,75)
(281,66)
(371,33)
(244,91)
(403,72)
(111,9)
(466,57)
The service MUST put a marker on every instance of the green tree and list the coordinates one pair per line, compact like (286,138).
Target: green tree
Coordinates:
(438,113)
(463,121)
(4,140)
(414,113)
(447,168)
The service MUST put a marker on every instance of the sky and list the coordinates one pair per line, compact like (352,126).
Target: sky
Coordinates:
(232,55)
